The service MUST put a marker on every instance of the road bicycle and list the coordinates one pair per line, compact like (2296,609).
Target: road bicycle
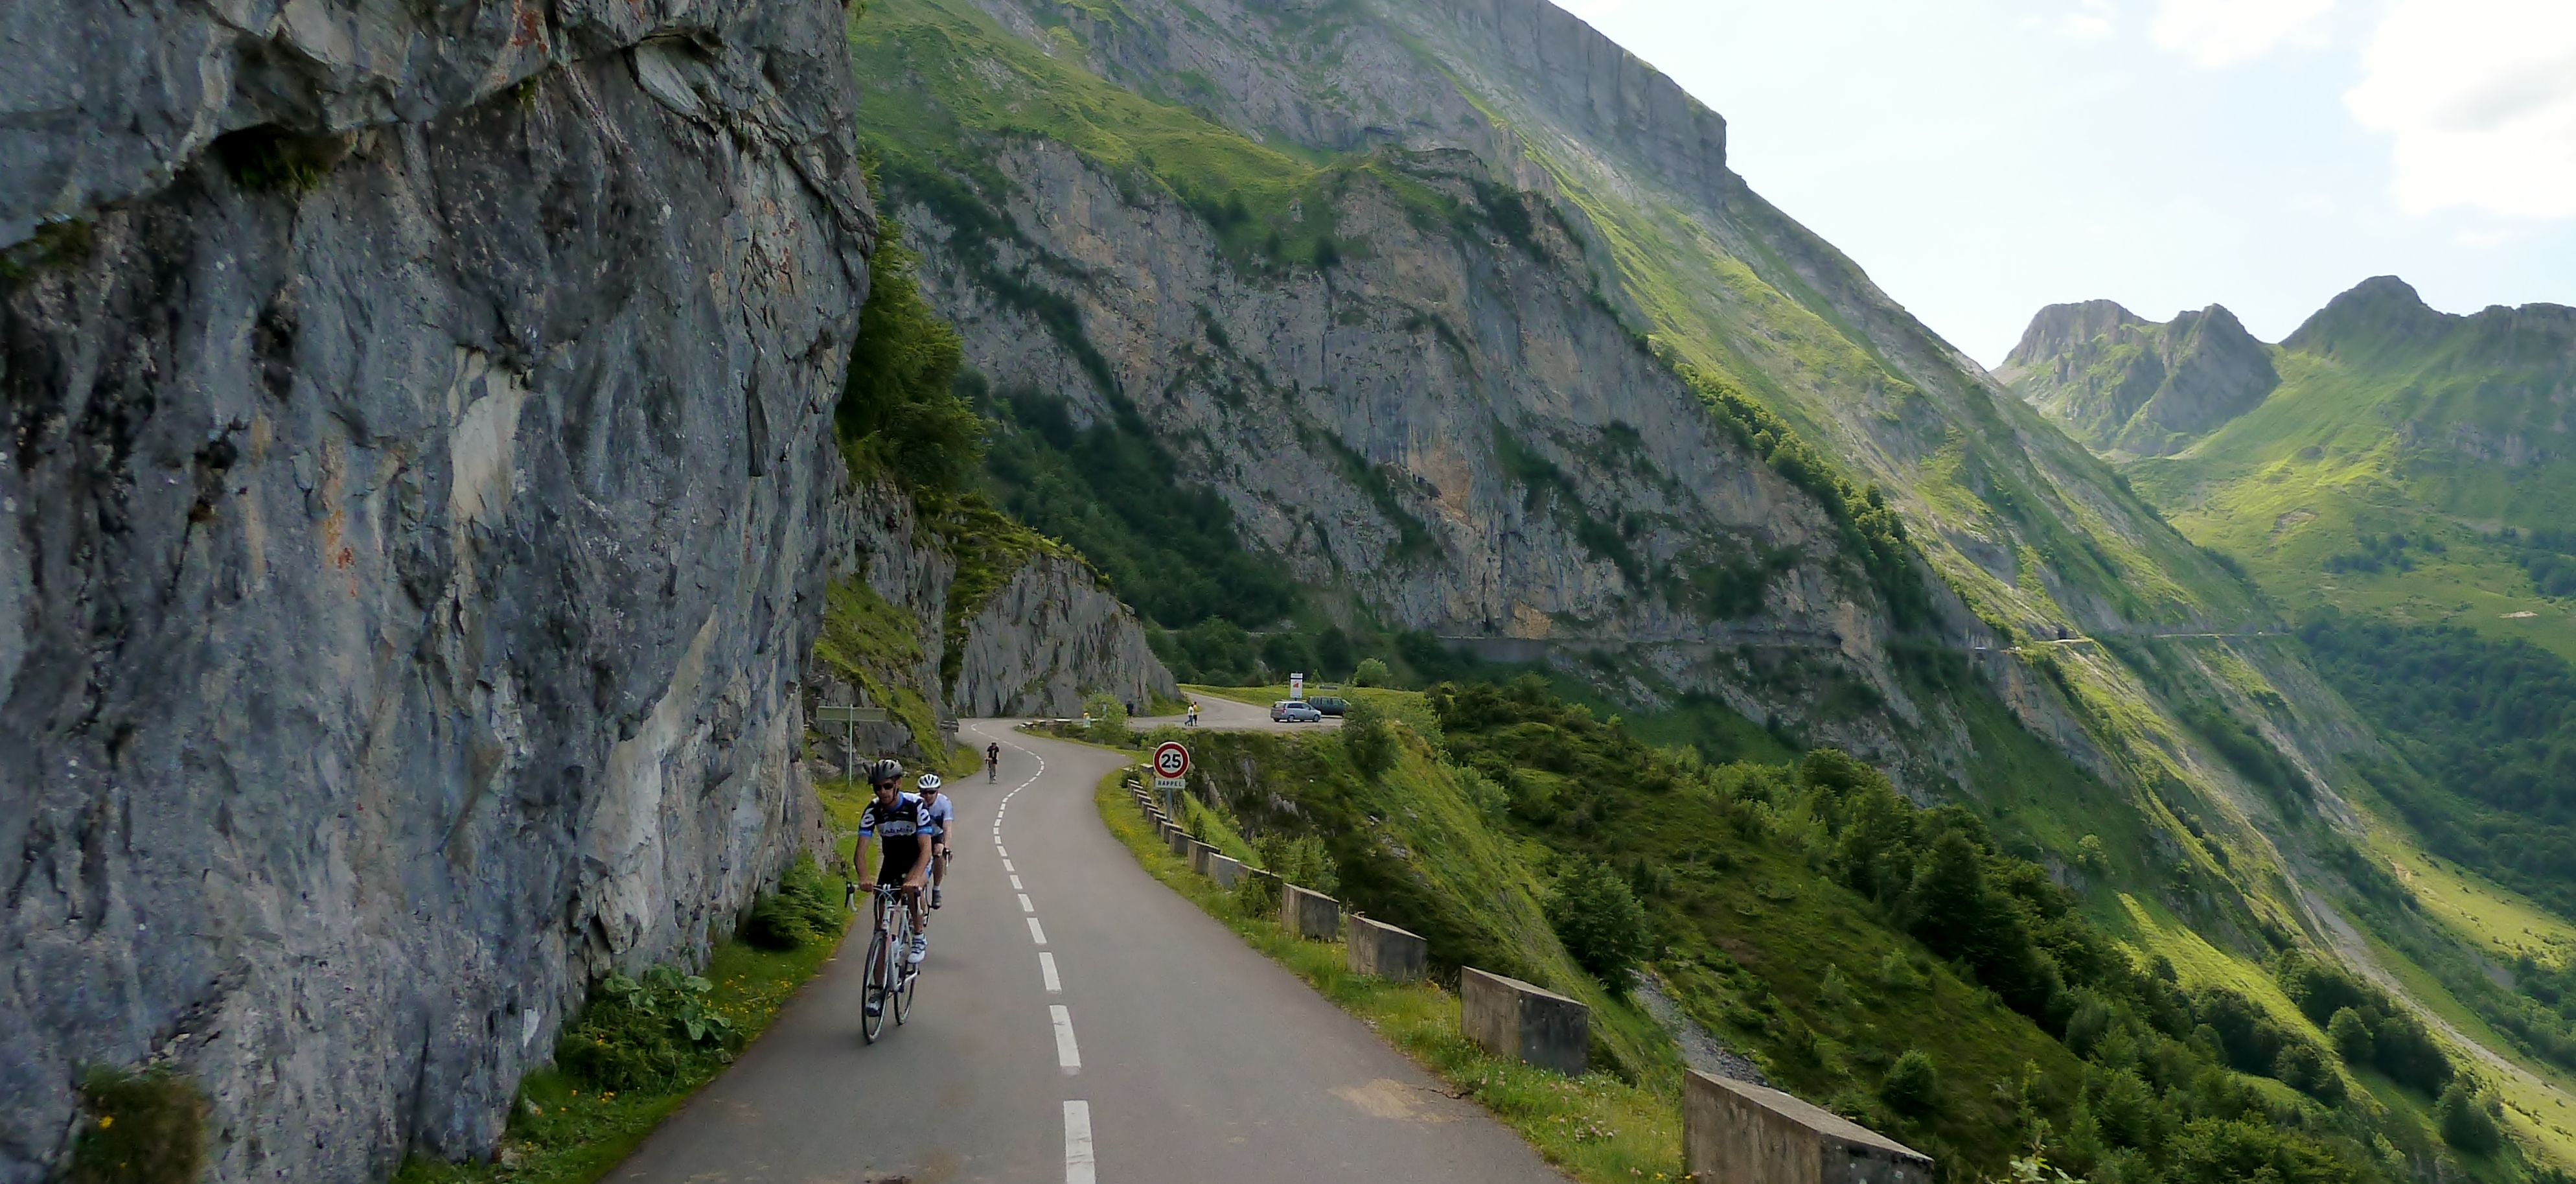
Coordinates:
(891,974)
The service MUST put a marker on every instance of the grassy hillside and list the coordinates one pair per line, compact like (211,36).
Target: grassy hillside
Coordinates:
(1739,297)
(2402,491)
(1894,963)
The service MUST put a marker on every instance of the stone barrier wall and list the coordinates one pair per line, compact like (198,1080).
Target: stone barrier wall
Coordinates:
(1387,952)
(1748,1134)
(1309,914)
(1524,1022)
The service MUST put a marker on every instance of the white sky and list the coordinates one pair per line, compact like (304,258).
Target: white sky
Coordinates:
(1982,158)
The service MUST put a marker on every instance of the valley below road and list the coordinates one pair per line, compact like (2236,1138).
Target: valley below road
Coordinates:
(1075,1021)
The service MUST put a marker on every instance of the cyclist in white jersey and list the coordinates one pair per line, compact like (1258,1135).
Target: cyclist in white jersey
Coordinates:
(942,813)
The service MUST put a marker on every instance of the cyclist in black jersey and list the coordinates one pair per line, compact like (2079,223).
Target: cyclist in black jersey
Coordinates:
(902,828)
(993,761)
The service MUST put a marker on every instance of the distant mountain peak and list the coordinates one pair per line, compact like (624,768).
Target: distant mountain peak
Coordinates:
(2120,382)
(2059,325)
(2377,314)
(2380,289)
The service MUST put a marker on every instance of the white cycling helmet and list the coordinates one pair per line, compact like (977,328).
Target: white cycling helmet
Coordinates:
(929,781)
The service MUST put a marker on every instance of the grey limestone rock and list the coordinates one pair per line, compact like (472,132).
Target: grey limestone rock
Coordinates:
(417,504)
(1523,468)
(1038,644)
(1046,639)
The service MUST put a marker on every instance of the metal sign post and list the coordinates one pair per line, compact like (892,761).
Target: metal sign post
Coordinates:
(849,718)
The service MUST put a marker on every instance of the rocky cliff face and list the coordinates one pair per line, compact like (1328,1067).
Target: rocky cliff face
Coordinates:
(2130,386)
(418,502)
(1447,427)
(1041,635)
(1422,389)
(1047,639)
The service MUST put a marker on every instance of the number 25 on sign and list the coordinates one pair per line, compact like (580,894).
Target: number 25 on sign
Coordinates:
(1171,765)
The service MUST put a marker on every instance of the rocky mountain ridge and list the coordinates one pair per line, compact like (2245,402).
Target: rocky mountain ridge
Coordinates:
(2128,386)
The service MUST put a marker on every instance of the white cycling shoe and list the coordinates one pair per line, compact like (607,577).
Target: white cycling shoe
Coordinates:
(920,950)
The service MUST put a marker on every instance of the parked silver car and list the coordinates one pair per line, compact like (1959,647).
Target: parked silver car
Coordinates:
(1294,711)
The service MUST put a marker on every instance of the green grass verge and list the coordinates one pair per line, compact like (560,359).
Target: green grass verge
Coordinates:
(563,1134)
(1597,1127)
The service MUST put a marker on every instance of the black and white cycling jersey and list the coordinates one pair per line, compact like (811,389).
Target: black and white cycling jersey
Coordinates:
(898,830)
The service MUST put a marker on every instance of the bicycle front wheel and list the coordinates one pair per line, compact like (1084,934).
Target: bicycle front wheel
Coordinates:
(903,995)
(880,959)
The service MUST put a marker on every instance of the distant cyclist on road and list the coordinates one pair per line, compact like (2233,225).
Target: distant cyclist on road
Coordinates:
(940,814)
(896,820)
(993,761)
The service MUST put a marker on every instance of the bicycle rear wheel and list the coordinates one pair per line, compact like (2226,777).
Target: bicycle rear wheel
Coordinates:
(872,1023)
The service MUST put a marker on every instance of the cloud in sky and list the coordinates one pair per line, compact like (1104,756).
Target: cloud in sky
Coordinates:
(2090,21)
(2480,96)
(2215,33)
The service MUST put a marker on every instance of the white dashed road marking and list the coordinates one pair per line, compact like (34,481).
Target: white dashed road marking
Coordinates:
(1065,1053)
(1077,1143)
(1079,1163)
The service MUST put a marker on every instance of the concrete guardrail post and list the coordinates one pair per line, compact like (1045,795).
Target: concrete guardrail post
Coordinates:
(1180,840)
(1525,1022)
(1735,1131)
(1200,853)
(1224,870)
(1309,914)
(1387,952)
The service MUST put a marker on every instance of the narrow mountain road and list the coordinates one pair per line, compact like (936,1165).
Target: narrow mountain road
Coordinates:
(1227,715)
(1077,1022)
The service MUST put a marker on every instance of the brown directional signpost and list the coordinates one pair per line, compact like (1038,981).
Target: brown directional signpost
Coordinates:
(1171,770)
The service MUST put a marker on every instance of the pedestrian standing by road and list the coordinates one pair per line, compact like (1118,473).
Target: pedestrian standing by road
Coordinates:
(1193,720)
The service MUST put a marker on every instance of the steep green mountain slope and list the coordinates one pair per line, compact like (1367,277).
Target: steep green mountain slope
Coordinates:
(2404,486)
(2411,463)
(1433,324)
(1892,961)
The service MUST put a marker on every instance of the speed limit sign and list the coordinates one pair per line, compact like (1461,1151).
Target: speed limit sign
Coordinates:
(1171,765)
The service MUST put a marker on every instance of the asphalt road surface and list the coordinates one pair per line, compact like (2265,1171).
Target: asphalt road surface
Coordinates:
(1077,1022)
